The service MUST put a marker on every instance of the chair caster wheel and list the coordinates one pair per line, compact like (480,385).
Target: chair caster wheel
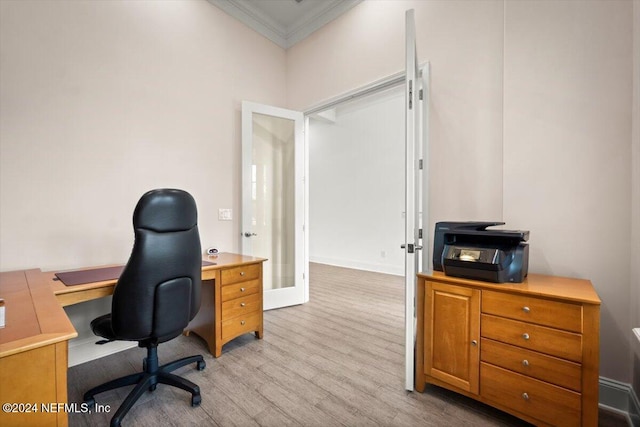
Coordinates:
(201,365)
(153,387)
(196,400)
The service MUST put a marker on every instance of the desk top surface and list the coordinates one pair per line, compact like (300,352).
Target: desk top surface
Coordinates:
(221,260)
(33,315)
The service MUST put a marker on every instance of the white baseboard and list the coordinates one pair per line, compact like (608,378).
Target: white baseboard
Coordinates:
(359,265)
(620,397)
(86,349)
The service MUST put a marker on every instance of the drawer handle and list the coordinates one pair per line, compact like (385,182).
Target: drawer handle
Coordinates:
(242,304)
(526,309)
(474,343)
(241,289)
(242,322)
(242,273)
(525,336)
(525,362)
(525,396)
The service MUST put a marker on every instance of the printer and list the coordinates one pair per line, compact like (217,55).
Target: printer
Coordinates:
(469,250)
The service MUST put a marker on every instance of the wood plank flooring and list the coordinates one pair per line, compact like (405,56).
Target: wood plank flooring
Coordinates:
(335,361)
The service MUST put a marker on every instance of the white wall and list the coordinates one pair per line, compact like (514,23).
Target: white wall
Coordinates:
(567,169)
(356,185)
(101,101)
(531,123)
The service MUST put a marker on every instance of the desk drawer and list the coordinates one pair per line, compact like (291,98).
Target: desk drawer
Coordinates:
(241,306)
(543,401)
(561,315)
(566,345)
(233,327)
(532,364)
(240,274)
(238,290)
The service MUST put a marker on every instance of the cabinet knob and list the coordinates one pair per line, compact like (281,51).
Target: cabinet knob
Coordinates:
(242,322)
(525,362)
(241,289)
(242,273)
(242,304)
(474,343)
(526,309)
(525,336)
(525,396)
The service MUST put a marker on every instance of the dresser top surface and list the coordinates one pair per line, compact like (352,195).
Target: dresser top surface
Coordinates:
(566,288)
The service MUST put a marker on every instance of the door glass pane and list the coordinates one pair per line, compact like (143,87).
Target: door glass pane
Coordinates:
(273,198)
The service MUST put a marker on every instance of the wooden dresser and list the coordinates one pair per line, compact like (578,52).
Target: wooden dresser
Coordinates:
(530,349)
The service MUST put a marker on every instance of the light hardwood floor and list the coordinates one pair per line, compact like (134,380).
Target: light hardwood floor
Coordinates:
(335,361)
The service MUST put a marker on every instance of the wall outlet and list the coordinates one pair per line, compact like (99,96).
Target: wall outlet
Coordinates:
(225,215)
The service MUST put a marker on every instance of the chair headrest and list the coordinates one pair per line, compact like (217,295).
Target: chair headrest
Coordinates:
(165,210)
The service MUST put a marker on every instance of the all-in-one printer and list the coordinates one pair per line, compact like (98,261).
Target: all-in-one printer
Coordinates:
(469,250)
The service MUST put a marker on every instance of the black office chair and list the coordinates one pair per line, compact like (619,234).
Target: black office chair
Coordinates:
(157,294)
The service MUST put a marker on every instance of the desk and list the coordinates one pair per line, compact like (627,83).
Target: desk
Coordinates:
(34,343)
(33,349)
(230,277)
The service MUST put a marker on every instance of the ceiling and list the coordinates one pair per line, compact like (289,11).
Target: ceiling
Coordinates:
(285,22)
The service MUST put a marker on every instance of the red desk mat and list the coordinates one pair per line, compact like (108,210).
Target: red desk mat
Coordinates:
(80,277)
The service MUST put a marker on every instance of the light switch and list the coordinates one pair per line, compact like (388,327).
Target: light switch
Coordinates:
(225,215)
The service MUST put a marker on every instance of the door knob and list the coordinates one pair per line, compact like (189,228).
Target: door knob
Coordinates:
(247,234)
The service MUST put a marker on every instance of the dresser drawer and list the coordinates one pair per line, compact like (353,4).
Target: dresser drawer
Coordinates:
(561,315)
(566,345)
(240,274)
(532,364)
(241,306)
(538,399)
(241,289)
(235,326)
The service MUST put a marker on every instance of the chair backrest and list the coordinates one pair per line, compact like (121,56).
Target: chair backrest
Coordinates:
(158,292)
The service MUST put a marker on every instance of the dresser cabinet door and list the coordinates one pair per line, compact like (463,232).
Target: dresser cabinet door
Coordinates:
(452,335)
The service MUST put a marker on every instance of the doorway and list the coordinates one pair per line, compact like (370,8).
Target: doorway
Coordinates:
(357,182)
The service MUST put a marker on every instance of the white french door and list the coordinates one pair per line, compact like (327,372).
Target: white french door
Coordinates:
(273,164)
(416,186)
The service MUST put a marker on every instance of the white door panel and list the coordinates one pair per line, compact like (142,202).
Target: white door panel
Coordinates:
(273,199)
(416,199)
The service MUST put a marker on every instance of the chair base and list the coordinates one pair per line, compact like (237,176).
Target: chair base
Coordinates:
(151,376)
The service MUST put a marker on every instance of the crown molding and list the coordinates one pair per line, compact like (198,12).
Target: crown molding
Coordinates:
(279,34)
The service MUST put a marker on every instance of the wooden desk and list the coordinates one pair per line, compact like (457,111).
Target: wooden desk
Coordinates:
(33,350)
(34,343)
(233,280)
